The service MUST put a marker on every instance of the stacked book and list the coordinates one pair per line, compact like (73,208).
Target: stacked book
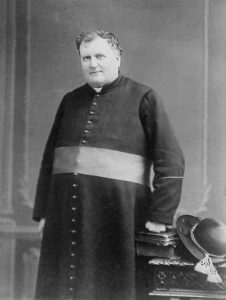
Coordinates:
(154,244)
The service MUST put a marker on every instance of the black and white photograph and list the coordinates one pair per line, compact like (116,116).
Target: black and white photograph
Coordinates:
(112,149)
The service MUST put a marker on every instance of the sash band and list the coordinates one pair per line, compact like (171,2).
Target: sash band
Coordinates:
(103,163)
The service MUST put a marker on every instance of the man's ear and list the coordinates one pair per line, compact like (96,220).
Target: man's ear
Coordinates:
(118,57)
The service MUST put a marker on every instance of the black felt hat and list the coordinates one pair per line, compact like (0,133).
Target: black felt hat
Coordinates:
(205,238)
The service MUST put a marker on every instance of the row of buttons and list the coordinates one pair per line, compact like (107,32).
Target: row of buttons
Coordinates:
(72,268)
(84,140)
(89,121)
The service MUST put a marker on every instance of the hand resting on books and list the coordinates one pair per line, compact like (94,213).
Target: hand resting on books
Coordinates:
(155,227)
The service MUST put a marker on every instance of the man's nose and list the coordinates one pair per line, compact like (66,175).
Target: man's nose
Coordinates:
(93,62)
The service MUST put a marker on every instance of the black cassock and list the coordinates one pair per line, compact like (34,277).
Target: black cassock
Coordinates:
(94,189)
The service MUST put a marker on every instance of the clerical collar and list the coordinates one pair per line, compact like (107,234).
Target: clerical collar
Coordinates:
(107,87)
(98,90)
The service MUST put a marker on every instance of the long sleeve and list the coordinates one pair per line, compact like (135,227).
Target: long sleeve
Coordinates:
(44,179)
(167,156)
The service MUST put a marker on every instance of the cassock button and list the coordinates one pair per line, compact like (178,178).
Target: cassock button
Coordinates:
(74,208)
(89,122)
(73,243)
(73,231)
(74,196)
(92,112)
(72,266)
(86,131)
(73,220)
(72,254)
(84,141)
(74,185)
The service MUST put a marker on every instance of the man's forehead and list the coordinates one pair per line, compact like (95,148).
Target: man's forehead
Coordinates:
(97,43)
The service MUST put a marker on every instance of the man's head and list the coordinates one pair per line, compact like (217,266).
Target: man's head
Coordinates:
(100,56)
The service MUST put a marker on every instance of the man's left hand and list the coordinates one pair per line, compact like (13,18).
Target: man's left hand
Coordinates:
(156,227)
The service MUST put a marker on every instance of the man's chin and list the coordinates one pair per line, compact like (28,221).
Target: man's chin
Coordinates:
(96,84)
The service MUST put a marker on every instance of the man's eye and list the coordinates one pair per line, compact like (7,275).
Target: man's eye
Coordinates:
(86,58)
(100,56)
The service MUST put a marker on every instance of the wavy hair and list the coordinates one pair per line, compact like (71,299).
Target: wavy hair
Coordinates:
(91,35)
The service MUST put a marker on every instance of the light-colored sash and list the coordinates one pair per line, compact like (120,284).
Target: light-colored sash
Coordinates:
(103,163)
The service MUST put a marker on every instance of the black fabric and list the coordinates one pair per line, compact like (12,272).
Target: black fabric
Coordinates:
(90,221)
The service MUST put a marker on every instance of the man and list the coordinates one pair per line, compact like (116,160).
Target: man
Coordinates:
(94,185)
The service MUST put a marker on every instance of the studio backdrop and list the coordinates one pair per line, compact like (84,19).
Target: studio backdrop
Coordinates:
(176,47)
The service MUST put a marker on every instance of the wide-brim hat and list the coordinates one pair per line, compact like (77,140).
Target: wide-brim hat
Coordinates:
(205,238)
(184,225)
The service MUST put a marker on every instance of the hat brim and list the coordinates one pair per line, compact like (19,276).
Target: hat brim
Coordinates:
(184,225)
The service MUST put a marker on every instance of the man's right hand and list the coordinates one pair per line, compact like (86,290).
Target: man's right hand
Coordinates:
(41,226)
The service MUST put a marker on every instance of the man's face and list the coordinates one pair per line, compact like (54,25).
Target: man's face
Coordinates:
(100,63)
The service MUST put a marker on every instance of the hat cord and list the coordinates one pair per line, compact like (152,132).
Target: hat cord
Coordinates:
(205,265)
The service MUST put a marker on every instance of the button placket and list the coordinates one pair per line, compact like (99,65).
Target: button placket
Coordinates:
(90,119)
(74,198)
(73,237)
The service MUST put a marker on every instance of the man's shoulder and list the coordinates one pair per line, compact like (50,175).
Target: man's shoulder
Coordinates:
(74,95)
(136,85)
(76,91)
(148,94)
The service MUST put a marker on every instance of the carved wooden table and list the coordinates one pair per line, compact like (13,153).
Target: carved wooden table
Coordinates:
(175,280)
